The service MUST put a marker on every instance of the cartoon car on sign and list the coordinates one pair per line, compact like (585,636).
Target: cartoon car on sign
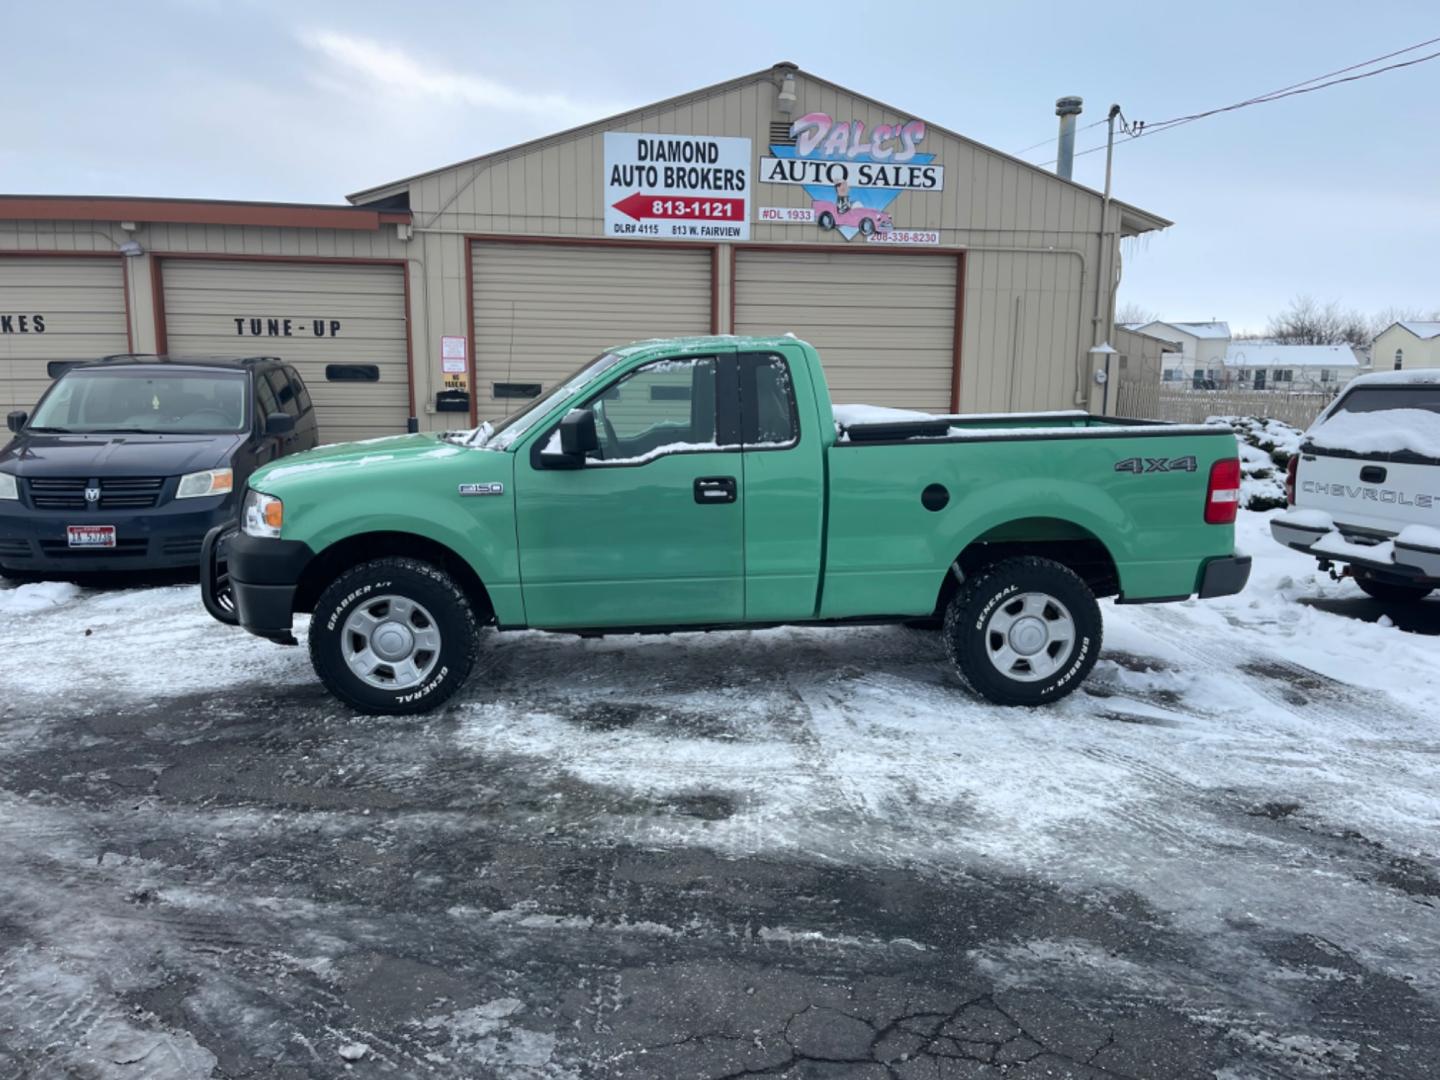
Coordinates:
(865,218)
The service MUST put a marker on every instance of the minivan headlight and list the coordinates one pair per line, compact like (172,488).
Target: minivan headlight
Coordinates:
(262,515)
(195,485)
(9,488)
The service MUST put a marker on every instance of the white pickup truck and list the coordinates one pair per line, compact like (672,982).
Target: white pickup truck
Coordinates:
(1364,490)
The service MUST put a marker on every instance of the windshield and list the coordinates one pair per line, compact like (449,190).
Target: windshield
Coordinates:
(146,400)
(499,436)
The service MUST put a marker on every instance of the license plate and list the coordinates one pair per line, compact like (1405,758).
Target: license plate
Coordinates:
(91,536)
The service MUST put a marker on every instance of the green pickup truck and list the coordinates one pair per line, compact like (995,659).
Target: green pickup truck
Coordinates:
(708,483)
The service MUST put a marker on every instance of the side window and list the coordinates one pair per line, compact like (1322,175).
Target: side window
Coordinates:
(284,392)
(767,401)
(265,401)
(302,394)
(663,404)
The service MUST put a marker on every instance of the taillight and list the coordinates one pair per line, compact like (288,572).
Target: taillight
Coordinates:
(1291,468)
(1222,500)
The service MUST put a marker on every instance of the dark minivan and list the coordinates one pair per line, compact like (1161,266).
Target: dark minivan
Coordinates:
(128,461)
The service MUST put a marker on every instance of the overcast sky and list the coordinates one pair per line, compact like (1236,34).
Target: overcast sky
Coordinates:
(1335,193)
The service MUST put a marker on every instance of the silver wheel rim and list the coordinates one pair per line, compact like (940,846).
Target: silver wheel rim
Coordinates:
(1030,637)
(390,642)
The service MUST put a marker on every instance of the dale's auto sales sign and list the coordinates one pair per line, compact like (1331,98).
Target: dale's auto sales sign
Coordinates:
(677,187)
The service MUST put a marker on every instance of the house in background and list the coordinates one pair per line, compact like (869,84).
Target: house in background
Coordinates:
(1405,345)
(1144,356)
(1262,365)
(1201,360)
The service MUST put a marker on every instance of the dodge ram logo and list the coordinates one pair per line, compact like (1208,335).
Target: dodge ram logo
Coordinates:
(92,495)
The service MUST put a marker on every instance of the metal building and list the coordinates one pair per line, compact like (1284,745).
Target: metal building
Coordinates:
(931,271)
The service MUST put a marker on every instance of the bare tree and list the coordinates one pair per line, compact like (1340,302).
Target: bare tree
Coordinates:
(1305,321)
(1133,314)
(1387,317)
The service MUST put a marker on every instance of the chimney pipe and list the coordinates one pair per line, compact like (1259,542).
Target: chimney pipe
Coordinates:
(1067,108)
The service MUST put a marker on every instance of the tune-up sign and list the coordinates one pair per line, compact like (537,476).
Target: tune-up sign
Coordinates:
(677,187)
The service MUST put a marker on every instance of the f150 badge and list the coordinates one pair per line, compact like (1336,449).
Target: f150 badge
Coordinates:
(1155,464)
(493,488)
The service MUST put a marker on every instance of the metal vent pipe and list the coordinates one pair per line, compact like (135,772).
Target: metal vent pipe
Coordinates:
(1067,108)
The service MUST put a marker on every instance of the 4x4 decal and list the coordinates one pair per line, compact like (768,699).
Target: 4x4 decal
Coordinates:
(1156,464)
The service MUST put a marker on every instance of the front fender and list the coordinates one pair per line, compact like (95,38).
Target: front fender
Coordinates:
(424,501)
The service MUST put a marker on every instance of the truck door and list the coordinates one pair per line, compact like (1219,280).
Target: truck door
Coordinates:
(783,486)
(649,532)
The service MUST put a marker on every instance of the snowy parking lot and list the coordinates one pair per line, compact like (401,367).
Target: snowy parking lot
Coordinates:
(800,853)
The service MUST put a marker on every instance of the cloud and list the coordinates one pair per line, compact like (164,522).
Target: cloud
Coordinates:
(397,73)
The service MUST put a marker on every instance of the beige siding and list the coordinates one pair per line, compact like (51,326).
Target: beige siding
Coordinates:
(204,298)
(884,322)
(541,310)
(1416,352)
(80,303)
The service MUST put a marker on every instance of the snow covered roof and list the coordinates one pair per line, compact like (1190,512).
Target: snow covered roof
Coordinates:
(1423,330)
(1210,330)
(1267,355)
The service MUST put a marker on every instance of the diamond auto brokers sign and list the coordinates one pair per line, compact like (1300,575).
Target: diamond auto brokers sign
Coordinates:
(677,187)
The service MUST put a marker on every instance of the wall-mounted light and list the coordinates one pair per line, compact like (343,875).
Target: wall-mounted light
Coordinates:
(131,248)
(785,100)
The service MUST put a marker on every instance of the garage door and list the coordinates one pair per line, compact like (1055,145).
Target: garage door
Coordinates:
(55,309)
(542,310)
(343,327)
(884,322)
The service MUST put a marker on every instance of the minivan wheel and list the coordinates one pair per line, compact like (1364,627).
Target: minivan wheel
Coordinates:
(1391,591)
(1024,631)
(393,636)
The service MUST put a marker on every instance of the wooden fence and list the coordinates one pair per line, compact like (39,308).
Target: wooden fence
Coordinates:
(1150,400)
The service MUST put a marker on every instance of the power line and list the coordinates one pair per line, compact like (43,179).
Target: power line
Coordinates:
(1141,129)
(1047,142)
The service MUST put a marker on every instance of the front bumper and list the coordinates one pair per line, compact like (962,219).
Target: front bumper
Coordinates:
(1391,557)
(159,538)
(1224,576)
(251,581)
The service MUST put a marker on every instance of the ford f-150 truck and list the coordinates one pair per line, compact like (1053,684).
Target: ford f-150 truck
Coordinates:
(705,483)
(1364,490)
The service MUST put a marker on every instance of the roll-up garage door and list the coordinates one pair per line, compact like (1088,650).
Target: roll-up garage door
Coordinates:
(342,326)
(542,310)
(884,322)
(55,308)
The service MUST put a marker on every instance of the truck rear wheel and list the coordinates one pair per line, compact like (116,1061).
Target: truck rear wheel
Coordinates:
(393,636)
(1024,631)
(1391,591)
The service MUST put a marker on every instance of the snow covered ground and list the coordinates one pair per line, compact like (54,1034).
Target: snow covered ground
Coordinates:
(702,854)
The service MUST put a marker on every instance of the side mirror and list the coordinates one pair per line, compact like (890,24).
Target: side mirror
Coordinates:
(16,420)
(279,423)
(578,436)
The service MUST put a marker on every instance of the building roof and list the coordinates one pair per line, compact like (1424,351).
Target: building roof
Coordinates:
(1170,345)
(1212,331)
(1133,219)
(195,211)
(1422,330)
(1267,355)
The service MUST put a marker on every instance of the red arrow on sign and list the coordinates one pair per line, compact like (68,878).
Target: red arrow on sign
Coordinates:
(640,206)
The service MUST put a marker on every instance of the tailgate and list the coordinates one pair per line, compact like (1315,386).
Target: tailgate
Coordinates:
(1370,494)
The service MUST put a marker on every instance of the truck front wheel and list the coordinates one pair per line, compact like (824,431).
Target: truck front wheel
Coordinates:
(393,636)
(1023,631)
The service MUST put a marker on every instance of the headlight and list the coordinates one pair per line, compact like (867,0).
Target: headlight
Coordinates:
(9,489)
(210,482)
(262,515)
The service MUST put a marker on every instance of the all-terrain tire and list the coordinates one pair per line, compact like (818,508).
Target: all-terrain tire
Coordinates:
(999,587)
(444,605)
(1392,592)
